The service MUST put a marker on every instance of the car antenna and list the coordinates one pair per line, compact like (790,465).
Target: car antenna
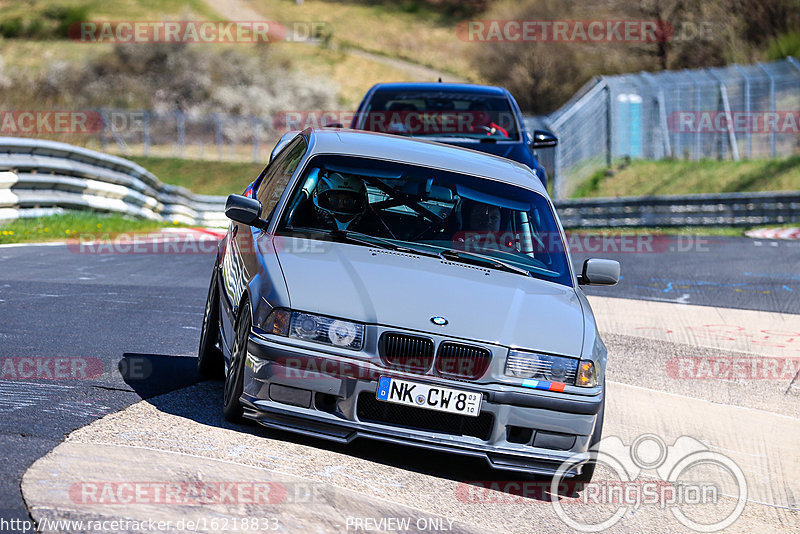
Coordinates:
(440,79)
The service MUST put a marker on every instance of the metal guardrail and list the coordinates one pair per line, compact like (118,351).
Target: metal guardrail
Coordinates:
(729,209)
(48,176)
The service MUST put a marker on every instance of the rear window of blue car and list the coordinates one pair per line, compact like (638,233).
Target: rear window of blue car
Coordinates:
(429,209)
(440,113)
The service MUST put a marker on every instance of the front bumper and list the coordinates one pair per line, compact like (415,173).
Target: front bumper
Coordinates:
(517,430)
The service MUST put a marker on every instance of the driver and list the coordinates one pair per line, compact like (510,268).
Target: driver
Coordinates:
(483,218)
(484,122)
(339,201)
(481,227)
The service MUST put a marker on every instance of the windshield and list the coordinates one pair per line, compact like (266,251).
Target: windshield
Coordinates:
(430,211)
(472,116)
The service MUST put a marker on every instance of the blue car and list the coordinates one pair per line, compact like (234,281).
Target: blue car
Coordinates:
(478,117)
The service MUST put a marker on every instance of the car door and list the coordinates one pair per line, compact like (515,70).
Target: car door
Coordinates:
(240,262)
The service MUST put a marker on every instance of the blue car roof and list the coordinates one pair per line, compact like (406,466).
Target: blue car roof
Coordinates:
(437,86)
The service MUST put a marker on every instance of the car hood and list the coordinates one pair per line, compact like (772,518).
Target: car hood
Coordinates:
(384,287)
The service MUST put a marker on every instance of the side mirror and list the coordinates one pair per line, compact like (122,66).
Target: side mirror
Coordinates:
(597,272)
(543,139)
(244,210)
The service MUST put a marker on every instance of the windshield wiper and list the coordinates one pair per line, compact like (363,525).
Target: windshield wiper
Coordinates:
(472,257)
(365,239)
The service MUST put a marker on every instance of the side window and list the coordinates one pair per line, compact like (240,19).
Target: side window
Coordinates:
(277,175)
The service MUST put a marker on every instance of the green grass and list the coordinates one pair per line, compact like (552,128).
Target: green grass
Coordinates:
(32,56)
(673,177)
(72,225)
(31,10)
(200,176)
(420,35)
(785,45)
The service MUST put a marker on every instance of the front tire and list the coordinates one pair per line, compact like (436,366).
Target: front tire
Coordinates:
(234,378)
(210,361)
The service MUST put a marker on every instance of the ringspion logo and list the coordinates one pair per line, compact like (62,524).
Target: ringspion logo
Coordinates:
(650,473)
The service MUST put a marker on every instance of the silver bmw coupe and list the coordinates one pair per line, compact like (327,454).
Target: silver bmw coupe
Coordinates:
(411,292)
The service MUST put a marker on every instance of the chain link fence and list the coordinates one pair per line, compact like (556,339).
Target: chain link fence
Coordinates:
(179,134)
(730,112)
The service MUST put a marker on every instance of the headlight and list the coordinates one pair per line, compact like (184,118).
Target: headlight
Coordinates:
(541,367)
(336,332)
(317,328)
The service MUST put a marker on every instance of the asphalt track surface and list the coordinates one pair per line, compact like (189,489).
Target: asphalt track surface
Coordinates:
(56,303)
(141,314)
(728,272)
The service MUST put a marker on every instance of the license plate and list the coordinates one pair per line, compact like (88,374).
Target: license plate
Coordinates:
(429,396)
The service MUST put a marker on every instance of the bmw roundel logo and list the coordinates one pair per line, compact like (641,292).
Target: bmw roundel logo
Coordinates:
(439,321)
